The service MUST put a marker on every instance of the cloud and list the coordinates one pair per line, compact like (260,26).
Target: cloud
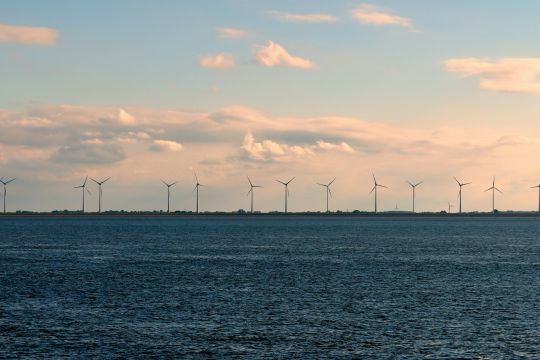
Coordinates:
(218,61)
(268,150)
(64,142)
(125,118)
(92,151)
(166,145)
(304,18)
(231,33)
(27,35)
(516,75)
(275,55)
(372,15)
(343,146)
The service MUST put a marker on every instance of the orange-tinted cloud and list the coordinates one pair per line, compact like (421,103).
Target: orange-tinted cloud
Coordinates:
(274,54)
(372,15)
(304,18)
(28,35)
(518,75)
(218,61)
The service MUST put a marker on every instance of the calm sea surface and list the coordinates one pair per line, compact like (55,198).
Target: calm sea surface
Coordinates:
(270,288)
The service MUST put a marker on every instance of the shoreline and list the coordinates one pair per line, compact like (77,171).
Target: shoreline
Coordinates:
(236,215)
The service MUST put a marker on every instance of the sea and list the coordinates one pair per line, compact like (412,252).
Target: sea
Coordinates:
(269,287)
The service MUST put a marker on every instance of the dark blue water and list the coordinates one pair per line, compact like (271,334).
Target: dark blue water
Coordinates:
(270,288)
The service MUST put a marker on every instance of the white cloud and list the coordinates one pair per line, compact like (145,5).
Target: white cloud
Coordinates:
(125,118)
(166,145)
(268,150)
(27,35)
(77,140)
(231,33)
(275,55)
(218,61)
(343,146)
(517,75)
(304,18)
(372,15)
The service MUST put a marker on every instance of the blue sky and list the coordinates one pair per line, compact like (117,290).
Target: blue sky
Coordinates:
(146,57)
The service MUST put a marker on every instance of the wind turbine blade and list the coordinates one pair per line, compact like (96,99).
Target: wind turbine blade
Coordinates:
(410,183)
(10,181)
(373,189)
(88,191)
(469,183)
(85,180)
(196,178)
(94,180)
(78,187)
(534,187)
(164,183)
(457,181)
(321,184)
(288,182)
(281,182)
(331,182)
(488,189)
(195,188)
(250,190)
(250,184)
(330,192)
(104,181)
(386,187)
(374,180)
(499,190)
(420,183)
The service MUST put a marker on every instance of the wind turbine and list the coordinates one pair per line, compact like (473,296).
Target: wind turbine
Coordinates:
(196,188)
(460,186)
(84,189)
(375,186)
(328,192)
(168,193)
(537,186)
(450,206)
(100,191)
(493,188)
(251,187)
(286,184)
(5,190)
(413,186)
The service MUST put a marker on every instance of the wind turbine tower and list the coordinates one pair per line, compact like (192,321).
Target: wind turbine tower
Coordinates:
(534,187)
(413,186)
(375,186)
(84,189)
(493,188)
(461,185)
(328,192)
(287,194)
(100,191)
(5,190)
(251,187)
(196,189)
(169,193)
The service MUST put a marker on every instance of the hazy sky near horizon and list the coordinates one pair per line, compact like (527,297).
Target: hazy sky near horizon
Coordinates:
(139,90)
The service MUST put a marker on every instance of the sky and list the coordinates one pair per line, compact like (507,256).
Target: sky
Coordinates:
(141,91)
